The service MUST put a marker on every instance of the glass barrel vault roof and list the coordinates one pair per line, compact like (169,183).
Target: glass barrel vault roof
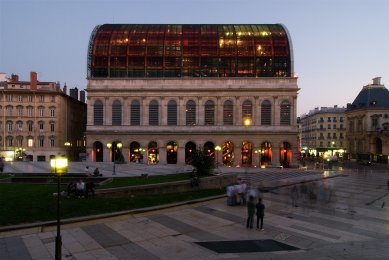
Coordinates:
(189,50)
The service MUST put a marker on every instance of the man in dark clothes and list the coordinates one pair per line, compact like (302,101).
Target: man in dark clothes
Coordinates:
(250,212)
(260,212)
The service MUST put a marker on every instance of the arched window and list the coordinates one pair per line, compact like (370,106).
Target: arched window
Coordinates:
(266,113)
(116,113)
(98,113)
(135,113)
(247,110)
(190,113)
(285,113)
(172,112)
(153,113)
(209,113)
(228,113)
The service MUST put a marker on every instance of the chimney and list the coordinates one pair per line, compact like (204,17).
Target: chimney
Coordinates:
(33,80)
(14,78)
(82,96)
(377,81)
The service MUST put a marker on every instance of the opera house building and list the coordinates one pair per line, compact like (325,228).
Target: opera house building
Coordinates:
(157,92)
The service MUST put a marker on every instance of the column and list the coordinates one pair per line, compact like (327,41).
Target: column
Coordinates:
(181,111)
(238,111)
(181,155)
(125,152)
(144,113)
(162,155)
(276,155)
(219,111)
(107,112)
(238,153)
(276,112)
(125,112)
(163,111)
(200,111)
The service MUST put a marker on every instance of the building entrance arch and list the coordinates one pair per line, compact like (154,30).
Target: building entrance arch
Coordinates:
(135,152)
(97,152)
(247,153)
(152,153)
(228,153)
(190,147)
(266,153)
(209,149)
(286,154)
(171,152)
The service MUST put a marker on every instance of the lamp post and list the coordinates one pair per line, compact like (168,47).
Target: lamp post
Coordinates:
(68,145)
(118,145)
(58,167)
(218,149)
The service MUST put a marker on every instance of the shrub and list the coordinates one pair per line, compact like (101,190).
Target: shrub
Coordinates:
(202,162)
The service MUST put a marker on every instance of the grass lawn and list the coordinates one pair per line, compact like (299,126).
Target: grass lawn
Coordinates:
(28,203)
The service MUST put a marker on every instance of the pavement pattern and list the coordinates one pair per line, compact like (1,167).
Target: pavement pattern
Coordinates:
(347,219)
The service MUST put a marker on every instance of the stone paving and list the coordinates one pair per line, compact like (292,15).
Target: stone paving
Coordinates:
(347,220)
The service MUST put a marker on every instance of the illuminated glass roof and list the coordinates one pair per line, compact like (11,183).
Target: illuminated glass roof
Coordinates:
(189,50)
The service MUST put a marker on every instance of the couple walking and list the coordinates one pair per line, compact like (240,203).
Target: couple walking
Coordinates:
(259,208)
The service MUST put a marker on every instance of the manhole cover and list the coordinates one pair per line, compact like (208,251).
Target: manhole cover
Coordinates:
(246,246)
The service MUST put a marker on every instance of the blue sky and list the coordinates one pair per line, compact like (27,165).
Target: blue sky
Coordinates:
(339,45)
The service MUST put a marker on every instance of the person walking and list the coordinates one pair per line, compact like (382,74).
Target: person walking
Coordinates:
(250,212)
(260,212)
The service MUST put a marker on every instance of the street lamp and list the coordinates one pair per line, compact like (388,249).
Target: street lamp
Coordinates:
(247,121)
(118,145)
(68,145)
(218,149)
(58,167)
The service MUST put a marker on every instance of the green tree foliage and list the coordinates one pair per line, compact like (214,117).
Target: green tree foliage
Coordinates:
(202,162)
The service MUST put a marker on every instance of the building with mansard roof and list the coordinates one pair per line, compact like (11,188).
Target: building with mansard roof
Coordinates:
(368,123)
(157,92)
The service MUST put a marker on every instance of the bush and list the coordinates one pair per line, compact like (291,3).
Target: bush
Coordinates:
(202,162)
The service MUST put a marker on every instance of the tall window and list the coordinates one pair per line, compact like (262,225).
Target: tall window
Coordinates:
(98,112)
(52,112)
(247,109)
(29,98)
(228,113)
(209,113)
(52,142)
(135,113)
(40,142)
(29,126)
(41,111)
(29,111)
(20,111)
(20,98)
(153,113)
(285,113)
(52,127)
(190,113)
(172,112)
(116,113)
(266,113)
(9,110)
(42,98)
(9,126)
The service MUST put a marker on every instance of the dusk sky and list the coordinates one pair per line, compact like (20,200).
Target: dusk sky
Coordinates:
(338,45)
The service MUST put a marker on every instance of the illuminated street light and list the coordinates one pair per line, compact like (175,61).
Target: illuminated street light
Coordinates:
(218,149)
(59,166)
(114,149)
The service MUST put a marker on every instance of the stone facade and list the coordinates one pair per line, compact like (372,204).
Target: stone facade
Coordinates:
(323,130)
(278,138)
(38,118)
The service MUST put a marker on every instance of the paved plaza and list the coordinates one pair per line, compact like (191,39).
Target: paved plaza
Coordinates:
(347,219)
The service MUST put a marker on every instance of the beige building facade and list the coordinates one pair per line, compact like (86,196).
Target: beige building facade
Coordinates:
(323,132)
(38,118)
(368,124)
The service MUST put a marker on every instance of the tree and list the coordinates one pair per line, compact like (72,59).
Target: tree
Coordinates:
(202,162)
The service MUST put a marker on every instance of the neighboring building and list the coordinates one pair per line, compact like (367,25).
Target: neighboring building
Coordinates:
(323,132)
(162,91)
(368,123)
(38,118)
